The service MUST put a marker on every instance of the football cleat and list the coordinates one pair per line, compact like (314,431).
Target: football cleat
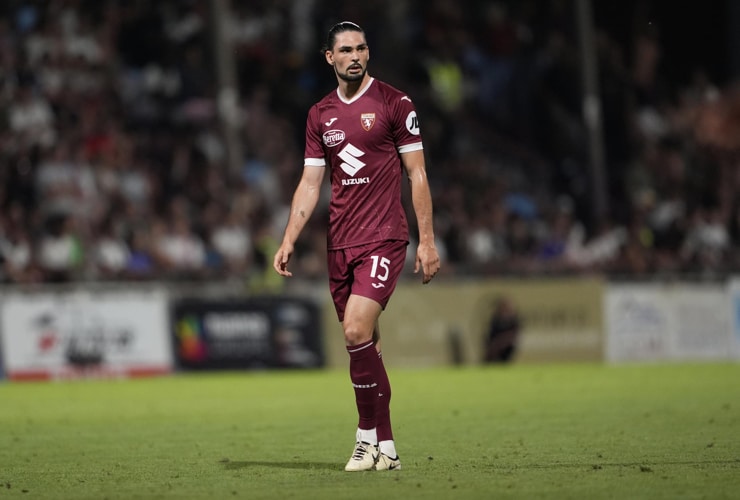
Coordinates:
(385,462)
(363,457)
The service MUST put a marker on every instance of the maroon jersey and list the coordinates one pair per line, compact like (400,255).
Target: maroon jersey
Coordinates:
(361,140)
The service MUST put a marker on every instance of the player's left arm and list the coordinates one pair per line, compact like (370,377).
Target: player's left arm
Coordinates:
(427,257)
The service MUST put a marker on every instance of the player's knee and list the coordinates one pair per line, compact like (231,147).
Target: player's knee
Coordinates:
(355,334)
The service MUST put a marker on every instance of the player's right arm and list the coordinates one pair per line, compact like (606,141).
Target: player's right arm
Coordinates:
(304,202)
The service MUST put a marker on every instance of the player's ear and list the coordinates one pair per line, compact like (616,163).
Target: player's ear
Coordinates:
(329,57)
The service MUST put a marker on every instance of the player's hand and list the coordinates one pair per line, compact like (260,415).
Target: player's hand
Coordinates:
(427,259)
(282,256)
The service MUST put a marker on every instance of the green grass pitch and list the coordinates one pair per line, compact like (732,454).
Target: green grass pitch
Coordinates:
(581,431)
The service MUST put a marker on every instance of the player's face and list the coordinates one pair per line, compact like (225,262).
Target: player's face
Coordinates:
(349,56)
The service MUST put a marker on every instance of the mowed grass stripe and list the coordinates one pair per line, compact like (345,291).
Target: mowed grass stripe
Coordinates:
(519,431)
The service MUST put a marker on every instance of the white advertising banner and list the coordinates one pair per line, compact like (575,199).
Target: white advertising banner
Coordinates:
(637,323)
(733,305)
(679,322)
(84,333)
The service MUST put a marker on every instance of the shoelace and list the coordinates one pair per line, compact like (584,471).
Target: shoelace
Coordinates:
(360,452)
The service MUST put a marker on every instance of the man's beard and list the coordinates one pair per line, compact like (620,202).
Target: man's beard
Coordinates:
(352,77)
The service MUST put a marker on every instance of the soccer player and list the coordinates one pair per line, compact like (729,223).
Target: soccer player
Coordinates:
(367,133)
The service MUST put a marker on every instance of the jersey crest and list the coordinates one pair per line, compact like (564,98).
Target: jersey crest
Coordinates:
(367,120)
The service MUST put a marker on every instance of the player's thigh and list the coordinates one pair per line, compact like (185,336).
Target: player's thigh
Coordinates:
(378,270)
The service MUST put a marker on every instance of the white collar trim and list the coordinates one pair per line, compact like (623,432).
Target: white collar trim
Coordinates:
(359,94)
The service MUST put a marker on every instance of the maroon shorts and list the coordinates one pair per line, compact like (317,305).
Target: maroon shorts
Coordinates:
(370,270)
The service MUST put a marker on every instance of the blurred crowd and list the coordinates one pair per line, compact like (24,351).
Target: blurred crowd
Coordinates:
(114,163)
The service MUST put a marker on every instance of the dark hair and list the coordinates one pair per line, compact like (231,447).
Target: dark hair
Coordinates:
(341,27)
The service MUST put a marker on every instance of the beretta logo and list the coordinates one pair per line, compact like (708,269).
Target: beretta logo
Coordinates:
(333,138)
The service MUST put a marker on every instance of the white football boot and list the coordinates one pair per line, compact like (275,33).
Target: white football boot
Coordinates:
(363,457)
(387,463)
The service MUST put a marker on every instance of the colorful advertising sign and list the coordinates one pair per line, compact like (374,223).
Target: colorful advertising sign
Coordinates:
(275,332)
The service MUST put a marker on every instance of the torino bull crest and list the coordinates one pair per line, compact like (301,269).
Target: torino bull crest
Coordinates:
(368,120)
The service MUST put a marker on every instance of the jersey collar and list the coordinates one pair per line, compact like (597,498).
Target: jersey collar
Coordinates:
(359,94)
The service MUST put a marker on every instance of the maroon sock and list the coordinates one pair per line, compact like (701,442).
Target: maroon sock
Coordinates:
(383,409)
(363,360)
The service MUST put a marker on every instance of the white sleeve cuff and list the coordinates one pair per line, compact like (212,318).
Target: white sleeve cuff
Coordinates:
(407,148)
(314,162)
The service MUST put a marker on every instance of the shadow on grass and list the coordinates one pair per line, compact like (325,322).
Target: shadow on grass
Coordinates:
(247,464)
(644,466)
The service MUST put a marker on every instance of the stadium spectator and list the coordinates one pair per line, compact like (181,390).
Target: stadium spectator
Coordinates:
(60,250)
(707,241)
(502,337)
(142,264)
(16,249)
(110,252)
(31,118)
(231,240)
(180,251)
(66,183)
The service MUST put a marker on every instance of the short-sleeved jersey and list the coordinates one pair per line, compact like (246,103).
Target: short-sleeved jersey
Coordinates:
(361,141)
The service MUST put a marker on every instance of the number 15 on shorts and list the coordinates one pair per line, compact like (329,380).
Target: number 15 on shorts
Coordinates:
(380,269)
